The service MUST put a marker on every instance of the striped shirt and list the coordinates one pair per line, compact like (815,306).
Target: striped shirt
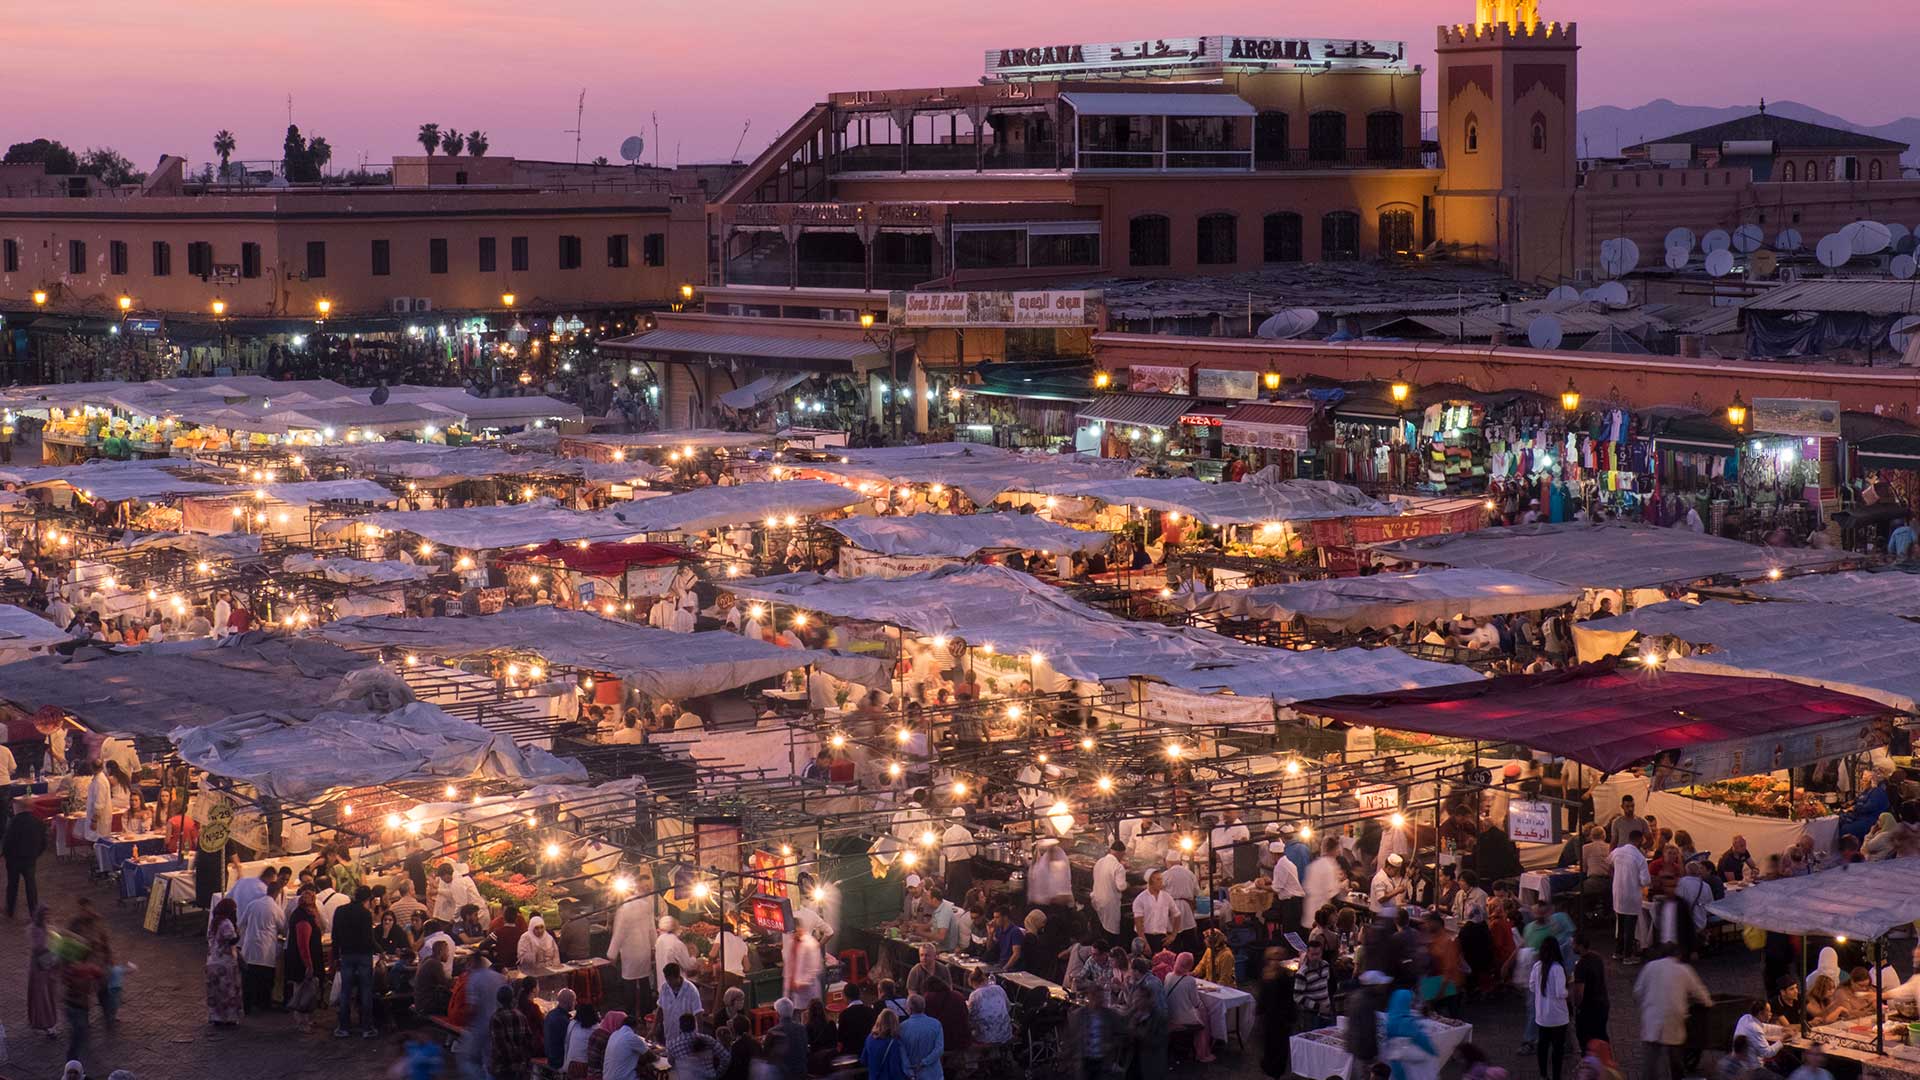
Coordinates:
(1310,988)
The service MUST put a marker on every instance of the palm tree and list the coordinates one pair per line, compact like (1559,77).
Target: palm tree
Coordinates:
(451,141)
(223,145)
(319,152)
(477,143)
(430,137)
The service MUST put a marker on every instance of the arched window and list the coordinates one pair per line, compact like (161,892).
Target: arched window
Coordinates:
(1215,239)
(1386,138)
(1327,136)
(1396,231)
(1812,171)
(1787,174)
(1339,236)
(1280,237)
(1539,132)
(1150,240)
(1473,134)
(1874,169)
(1830,165)
(1270,139)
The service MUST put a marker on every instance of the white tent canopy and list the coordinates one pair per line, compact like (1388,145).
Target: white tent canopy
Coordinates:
(1388,600)
(738,504)
(1847,649)
(24,634)
(660,663)
(1891,592)
(699,438)
(1617,555)
(113,482)
(308,492)
(1861,901)
(295,759)
(356,571)
(983,473)
(1230,504)
(991,605)
(438,465)
(482,528)
(763,389)
(965,535)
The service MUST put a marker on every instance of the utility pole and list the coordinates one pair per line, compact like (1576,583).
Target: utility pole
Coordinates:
(579,111)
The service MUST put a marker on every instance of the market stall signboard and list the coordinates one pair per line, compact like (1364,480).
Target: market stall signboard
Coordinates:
(1532,822)
(1160,379)
(1226,383)
(1796,416)
(773,914)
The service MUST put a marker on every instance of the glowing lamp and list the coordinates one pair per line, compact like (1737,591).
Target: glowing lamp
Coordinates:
(1102,380)
(1061,817)
(1737,412)
(1105,784)
(1186,843)
(39,298)
(1399,391)
(1270,378)
(1570,398)
(219,307)
(909,858)
(393,821)
(1398,820)
(903,736)
(894,770)
(837,741)
(126,303)
(686,292)
(552,851)
(324,307)
(1086,743)
(818,894)
(702,890)
(1174,750)
(959,789)
(1306,832)
(927,839)
(506,299)
(866,320)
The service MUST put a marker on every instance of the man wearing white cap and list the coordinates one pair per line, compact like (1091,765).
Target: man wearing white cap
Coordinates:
(957,851)
(910,898)
(669,949)
(1287,889)
(1109,884)
(1389,884)
(1184,887)
(1223,840)
(1050,878)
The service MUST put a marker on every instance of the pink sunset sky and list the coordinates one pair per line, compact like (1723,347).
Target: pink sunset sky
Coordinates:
(160,76)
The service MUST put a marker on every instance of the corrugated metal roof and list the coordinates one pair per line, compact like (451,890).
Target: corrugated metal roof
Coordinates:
(1144,410)
(1842,294)
(1289,416)
(1136,104)
(770,346)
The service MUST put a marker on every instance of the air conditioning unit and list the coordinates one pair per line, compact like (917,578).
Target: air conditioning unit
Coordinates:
(402,305)
(1583,276)
(422,304)
(1789,274)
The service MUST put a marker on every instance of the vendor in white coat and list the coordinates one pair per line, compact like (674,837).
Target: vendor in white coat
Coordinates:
(99,820)
(1222,840)
(1390,887)
(1184,887)
(455,891)
(1630,880)
(669,949)
(1109,885)
(803,962)
(262,925)
(1050,877)
(1325,880)
(631,945)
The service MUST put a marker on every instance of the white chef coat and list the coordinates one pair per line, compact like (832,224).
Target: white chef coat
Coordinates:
(456,894)
(669,949)
(631,945)
(1383,884)
(331,900)
(1286,879)
(246,891)
(1155,913)
(804,964)
(1050,876)
(956,845)
(1324,881)
(261,927)
(1184,887)
(1222,839)
(674,1004)
(1630,875)
(99,821)
(1109,884)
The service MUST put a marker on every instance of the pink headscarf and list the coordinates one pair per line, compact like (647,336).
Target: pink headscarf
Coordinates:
(1163,963)
(612,1021)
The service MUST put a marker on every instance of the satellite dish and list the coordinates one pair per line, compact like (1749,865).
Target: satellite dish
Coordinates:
(1869,237)
(1788,240)
(632,147)
(1680,237)
(1564,292)
(1833,250)
(1619,256)
(1747,239)
(1613,294)
(1903,267)
(1291,323)
(1720,263)
(1544,332)
(380,394)
(1591,296)
(1902,332)
(1677,258)
(1906,245)
(1900,232)
(1717,240)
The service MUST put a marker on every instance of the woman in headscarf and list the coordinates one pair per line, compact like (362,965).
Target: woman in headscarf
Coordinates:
(1883,839)
(1184,1011)
(43,976)
(223,965)
(597,1042)
(537,950)
(1403,1044)
(1163,964)
(1829,966)
(1216,964)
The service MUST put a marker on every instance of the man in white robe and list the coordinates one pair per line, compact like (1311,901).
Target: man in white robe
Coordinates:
(1109,885)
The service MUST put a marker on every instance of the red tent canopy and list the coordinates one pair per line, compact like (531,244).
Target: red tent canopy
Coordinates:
(604,558)
(1604,715)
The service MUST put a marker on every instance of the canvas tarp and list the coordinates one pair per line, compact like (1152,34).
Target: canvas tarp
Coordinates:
(1616,555)
(357,571)
(602,558)
(1890,592)
(134,481)
(982,473)
(1861,901)
(482,528)
(23,634)
(763,389)
(659,663)
(991,605)
(965,535)
(308,492)
(1842,648)
(740,504)
(1230,504)
(700,438)
(1611,717)
(299,758)
(1388,600)
(436,465)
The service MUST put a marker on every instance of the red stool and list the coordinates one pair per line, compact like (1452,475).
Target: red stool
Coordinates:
(853,965)
(764,1020)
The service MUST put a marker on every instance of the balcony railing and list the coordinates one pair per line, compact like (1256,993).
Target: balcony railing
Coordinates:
(946,157)
(1166,160)
(1343,158)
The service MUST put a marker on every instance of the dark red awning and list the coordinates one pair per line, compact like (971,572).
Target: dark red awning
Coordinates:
(604,558)
(1605,715)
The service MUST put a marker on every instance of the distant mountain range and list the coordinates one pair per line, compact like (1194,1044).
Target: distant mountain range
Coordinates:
(1605,129)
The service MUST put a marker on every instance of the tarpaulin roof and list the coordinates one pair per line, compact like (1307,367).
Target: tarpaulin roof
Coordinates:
(1842,648)
(308,492)
(1384,600)
(1890,592)
(120,480)
(1616,555)
(705,438)
(299,758)
(740,504)
(991,605)
(1857,900)
(983,473)
(762,389)
(601,558)
(22,630)
(1601,715)
(153,689)
(964,535)
(480,528)
(486,411)
(1231,504)
(357,571)
(429,462)
(659,663)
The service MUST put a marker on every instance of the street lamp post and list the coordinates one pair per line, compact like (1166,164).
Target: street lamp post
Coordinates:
(887,342)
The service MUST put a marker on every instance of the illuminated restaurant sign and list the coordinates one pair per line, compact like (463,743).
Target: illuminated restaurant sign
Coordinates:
(1045,307)
(1208,51)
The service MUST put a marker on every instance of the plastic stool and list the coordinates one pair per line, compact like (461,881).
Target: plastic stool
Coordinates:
(853,964)
(764,1020)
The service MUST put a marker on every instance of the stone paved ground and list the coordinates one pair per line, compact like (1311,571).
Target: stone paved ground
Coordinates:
(163,1034)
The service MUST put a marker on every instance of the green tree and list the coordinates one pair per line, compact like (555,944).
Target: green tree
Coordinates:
(477,143)
(55,155)
(451,141)
(430,137)
(601,160)
(319,152)
(111,166)
(223,145)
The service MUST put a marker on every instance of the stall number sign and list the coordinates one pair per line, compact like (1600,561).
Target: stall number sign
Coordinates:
(1532,822)
(1377,797)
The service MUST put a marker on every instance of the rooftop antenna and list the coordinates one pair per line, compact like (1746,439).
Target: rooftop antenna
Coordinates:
(743,139)
(656,138)
(579,111)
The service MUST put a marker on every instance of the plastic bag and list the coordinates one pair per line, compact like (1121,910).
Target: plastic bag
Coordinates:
(1755,937)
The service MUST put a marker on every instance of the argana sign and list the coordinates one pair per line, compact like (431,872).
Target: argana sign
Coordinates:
(1262,52)
(1046,307)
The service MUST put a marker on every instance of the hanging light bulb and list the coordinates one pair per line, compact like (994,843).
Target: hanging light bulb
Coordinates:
(928,839)
(903,736)
(1086,743)
(702,890)
(1060,815)
(909,858)
(393,821)
(552,851)
(837,741)
(894,770)
(1105,784)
